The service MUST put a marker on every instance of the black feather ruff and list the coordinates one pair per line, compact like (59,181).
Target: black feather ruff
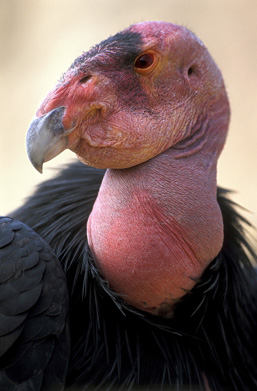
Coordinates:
(210,340)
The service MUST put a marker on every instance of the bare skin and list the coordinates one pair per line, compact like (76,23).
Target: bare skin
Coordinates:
(158,122)
(155,247)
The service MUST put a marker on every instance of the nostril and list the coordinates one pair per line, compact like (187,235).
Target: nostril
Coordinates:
(190,71)
(85,79)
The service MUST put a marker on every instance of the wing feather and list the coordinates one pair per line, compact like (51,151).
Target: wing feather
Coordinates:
(33,311)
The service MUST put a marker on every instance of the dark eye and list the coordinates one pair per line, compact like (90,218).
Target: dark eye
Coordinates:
(144,61)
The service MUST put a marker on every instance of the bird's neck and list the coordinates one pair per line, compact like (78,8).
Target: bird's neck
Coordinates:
(155,227)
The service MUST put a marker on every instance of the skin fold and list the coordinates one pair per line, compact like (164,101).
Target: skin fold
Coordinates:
(148,104)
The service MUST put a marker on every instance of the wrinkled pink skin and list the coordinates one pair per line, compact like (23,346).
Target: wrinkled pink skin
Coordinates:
(156,224)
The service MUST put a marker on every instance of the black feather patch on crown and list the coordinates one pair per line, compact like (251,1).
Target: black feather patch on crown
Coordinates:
(123,47)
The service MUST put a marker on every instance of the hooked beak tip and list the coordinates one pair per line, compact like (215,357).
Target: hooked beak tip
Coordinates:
(36,162)
(39,168)
(46,138)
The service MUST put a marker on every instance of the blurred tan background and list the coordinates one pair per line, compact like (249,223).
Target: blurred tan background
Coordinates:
(41,38)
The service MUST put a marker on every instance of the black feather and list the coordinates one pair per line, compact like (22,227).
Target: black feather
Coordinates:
(212,335)
(34,338)
(123,47)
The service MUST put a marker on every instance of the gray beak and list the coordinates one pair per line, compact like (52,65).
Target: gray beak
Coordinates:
(46,138)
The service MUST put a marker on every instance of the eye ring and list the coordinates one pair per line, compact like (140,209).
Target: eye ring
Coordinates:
(145,62)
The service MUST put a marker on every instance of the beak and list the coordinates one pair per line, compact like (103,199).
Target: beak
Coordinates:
(46,138)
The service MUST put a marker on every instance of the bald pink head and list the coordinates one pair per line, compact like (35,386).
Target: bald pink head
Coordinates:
(150,104)
(123,114)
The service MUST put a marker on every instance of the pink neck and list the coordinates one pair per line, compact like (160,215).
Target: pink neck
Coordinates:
(155,227)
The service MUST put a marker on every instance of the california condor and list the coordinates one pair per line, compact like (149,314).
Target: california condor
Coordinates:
(157,288)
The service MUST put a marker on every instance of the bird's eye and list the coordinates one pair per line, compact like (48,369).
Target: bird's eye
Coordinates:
(145,62)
